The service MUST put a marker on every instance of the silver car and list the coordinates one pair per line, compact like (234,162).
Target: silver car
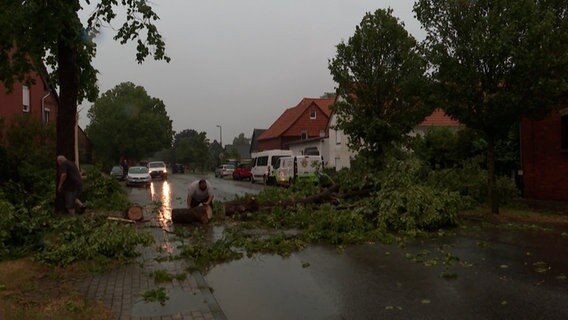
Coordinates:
(224,170)
(138,176)
(158,169)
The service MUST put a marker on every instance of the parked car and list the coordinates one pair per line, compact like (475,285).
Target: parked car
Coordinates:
(158,169)
(242,171)
(138,176)
(224,170)
(117,172)
(294,168)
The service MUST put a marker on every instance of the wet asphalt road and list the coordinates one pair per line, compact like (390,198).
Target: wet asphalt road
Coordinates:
(476,273)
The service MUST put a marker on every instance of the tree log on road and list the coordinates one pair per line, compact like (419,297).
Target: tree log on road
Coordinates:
(134,213)
(329,195)
(200,214)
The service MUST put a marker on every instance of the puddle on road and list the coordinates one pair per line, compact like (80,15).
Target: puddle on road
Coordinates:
(179,302)
(272,287)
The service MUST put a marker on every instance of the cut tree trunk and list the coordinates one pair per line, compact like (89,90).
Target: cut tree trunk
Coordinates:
(134,213)
(252,205)
(241,206)
(200,214)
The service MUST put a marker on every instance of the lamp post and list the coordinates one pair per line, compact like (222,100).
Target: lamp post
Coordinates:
(221,136)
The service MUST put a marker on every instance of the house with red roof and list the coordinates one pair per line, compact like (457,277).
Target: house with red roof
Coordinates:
(334,144)
(37,100)
(544,156)
(307,120)
(438,118)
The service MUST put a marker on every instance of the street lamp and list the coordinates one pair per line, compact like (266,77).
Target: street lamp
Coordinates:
(220,135)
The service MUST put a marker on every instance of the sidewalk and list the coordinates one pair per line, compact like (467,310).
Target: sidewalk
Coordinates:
(122,289)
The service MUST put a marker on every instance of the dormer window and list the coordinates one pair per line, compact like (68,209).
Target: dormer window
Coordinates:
(313,114)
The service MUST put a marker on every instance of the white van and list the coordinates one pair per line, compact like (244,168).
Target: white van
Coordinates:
(290,169)
(263,162)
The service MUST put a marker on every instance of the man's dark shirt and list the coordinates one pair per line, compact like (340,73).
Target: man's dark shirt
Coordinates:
(73,181)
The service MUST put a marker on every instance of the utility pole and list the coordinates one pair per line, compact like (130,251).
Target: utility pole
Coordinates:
(221,136)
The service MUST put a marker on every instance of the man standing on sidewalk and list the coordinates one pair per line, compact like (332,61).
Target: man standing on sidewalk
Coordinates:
(70,183)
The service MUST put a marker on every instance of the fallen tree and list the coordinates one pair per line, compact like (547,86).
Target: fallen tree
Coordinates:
(200,214)
(329,195)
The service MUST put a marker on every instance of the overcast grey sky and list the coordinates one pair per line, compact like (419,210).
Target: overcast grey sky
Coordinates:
(239,63)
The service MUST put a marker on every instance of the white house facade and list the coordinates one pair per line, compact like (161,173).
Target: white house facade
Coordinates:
(337,152)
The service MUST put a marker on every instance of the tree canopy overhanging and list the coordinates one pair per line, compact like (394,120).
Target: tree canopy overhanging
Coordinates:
(494,62)
(36,33)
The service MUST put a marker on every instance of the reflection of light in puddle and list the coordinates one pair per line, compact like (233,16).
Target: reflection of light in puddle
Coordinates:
(166,212)
(164,217)
(152,190)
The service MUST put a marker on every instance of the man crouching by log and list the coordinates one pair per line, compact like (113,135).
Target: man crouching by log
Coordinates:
(199,192)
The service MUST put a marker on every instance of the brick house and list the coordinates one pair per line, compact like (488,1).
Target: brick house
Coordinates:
(544,156)
(40,101)
(307,120)
(256,133)
(37,100)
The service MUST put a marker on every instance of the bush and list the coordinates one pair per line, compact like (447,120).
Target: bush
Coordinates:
(404,204)
(20,229)
(103,192)
(470,181)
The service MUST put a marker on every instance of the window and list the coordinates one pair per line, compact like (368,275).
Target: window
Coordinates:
(26,98)
(46,115)
(304,134)
(322,133)
(337,137)
(564,130)
(337,163)
(262,161)
(312,114)
(311,151)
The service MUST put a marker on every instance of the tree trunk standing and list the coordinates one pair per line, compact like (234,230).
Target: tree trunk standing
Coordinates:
(68,76)
(493,199)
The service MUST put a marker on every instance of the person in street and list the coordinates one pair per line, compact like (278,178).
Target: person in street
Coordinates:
(70,184)
(124,168)
(199,192)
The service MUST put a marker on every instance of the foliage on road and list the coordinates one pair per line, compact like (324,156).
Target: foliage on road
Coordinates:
(406,199)
(102,192)
(91,238)
(28,224)
(126,121)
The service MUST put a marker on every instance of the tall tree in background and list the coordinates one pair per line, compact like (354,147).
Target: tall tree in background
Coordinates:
(126,121)
(382,83)
(241,140)
(38,32)
(192,147)
(496,61)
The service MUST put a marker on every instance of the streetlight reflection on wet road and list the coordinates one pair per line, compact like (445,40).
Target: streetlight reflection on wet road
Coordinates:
(162,192)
